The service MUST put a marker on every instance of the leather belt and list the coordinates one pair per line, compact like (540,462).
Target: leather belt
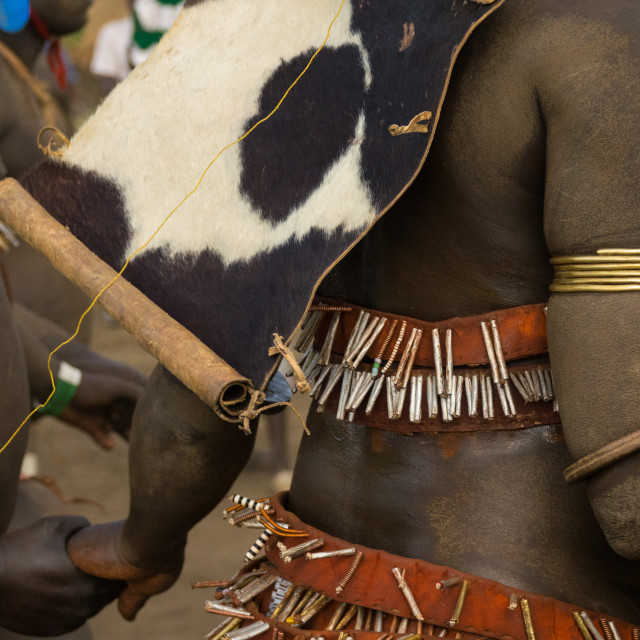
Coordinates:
(490,609)
(523,333)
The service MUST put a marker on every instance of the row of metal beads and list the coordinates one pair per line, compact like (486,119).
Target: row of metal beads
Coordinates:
(444,388)
(297,606)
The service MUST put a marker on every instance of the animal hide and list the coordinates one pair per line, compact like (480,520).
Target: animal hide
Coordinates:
(241,258)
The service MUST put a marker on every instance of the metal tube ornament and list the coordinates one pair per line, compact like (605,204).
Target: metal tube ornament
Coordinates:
(528,620)
(457,612)
(437,360)
(404,587)
(245,633)
(375,392)
(301,549)
(448,341)
(595,634)
(351,551)
(211,606)
(325,351)
(352,569)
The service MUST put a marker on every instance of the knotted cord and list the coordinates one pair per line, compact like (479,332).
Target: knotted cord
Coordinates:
(254,410)
(280,347)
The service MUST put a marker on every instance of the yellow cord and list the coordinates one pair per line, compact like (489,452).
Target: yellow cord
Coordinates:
(166,219)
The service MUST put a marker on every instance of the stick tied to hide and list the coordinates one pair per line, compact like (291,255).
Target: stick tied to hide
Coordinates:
(205,373)
(245,384)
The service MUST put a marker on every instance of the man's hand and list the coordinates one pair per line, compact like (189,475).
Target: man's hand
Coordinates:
(105,400)
(41,592)
(96,550)
(108,390)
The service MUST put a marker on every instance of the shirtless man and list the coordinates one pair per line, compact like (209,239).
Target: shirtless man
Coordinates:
(535,156)
(24,111)
(42,593)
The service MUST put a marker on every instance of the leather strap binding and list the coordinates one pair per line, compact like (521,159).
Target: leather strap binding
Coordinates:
(523,334)
(486,611)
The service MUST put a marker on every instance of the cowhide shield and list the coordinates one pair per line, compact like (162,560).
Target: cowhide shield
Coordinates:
(242,257)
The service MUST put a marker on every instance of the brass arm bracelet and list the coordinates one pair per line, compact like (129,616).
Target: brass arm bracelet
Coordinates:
(609,270)
(607,455)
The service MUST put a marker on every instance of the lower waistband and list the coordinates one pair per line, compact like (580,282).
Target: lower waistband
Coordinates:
(392,596)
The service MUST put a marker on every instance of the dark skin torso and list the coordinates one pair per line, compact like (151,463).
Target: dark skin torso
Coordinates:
(468,237)
(535,154)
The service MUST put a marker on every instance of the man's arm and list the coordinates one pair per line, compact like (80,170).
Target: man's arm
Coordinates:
(41,592)
(108,390)
(182,461)
(14,406)
(588,95)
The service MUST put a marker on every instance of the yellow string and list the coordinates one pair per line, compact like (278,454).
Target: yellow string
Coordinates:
(166,219)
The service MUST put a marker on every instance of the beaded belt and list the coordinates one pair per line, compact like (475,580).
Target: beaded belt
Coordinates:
(314,585)
(454,375)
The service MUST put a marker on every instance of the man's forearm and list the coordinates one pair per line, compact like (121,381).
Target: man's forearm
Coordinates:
(14,406)
(595,356)
(36,356)
(183,460)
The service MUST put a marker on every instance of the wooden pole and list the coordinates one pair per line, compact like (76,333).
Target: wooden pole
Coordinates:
(215,382)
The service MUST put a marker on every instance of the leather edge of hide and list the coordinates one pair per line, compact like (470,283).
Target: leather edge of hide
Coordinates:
(496,5)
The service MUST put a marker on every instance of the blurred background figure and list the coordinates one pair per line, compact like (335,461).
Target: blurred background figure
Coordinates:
(125,43)
(35,75)
(26,106)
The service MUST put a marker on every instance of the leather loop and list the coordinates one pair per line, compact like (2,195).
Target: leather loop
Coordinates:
(607,455)
(521,331)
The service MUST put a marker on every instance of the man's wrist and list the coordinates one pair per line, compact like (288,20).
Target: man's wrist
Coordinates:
(66,384)
(153,560)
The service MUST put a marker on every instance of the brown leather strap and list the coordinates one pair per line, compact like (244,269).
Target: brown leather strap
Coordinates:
(486,610)
(523,333)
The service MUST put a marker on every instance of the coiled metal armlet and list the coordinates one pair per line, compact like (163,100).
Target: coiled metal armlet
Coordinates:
(610,270)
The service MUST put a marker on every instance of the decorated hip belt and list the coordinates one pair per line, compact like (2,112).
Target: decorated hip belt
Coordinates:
(402,374)
(312,585)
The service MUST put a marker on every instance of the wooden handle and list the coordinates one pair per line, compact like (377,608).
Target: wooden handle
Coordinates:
(215,382)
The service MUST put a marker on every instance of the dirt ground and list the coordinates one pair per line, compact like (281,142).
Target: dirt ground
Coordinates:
(85,472)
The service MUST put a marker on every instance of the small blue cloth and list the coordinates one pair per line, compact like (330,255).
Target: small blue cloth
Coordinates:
(278,389)
(14,15)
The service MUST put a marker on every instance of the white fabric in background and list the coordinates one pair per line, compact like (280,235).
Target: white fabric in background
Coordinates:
(111,51)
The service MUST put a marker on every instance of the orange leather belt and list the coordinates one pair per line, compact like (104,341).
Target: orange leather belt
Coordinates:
(490,609)
(521,332)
